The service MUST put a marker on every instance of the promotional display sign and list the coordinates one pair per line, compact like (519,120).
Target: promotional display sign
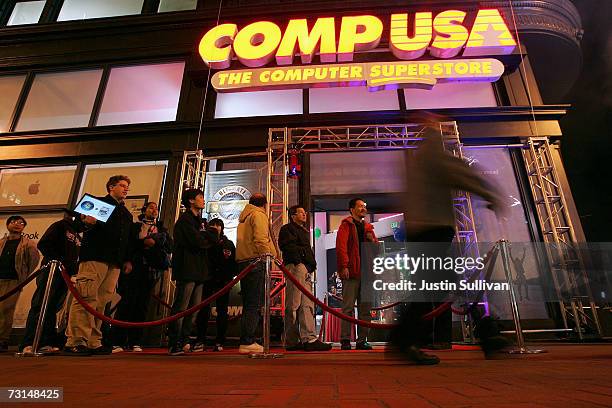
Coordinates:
(443,36)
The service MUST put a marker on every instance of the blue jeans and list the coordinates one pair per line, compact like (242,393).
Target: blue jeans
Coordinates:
(252,293)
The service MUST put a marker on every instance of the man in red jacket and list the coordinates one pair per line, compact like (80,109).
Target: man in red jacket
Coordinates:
(353,231)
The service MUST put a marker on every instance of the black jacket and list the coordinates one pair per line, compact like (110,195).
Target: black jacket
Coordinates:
(222,259)
(294,241)
(189,257)
(61,241)
(157,257)
(111,241)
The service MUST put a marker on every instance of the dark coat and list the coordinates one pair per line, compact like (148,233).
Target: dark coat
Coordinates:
(155,259)
(222,257)
(189,257)
(294,242)
(111,241)
(61,241)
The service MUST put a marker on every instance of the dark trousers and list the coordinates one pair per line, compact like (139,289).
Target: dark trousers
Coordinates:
(56,300)
(412,329)
(204,315)
(135,290)
(186,295)
(252,293)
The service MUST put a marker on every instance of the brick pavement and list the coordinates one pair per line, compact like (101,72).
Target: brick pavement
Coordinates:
(567,376)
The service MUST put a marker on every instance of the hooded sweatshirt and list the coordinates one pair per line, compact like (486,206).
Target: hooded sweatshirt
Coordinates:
(254,234)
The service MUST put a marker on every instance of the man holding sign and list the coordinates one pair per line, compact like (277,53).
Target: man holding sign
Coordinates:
(105,250)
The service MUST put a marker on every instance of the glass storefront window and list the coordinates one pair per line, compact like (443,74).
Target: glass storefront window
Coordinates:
(147,180)
(260,103)
(60,100)
(26,12)
(10,87)
(177,5)
(451,95)
(36,186)
(351,99)
(142,94)
(86,9)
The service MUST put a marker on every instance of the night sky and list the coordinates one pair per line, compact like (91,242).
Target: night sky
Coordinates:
(587,128)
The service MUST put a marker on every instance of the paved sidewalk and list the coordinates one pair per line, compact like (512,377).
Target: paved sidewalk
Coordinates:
(567,376)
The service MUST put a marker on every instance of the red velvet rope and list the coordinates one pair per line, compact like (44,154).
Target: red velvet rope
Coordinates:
(191,310)
(491,256)
(18,288)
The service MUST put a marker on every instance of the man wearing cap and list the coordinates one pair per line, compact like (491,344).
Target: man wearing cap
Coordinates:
(18,259)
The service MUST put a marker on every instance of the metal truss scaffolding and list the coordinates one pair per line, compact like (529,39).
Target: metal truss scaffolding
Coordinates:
(567,266)
(355,138)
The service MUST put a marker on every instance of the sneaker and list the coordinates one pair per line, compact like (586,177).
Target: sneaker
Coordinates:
(137,349)
(250,348)
(117,349)
(48,349)
(317,345)
(27,350)
(176,350)
(77,351)
(102,351)
(363,345)
(345,345)
(295,347)
(218,347)
(199,347)
(415,355)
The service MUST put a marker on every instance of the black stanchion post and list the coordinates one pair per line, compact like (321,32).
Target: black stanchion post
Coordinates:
(53,266)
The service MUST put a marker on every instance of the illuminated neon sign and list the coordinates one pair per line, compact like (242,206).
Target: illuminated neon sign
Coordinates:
(444,36)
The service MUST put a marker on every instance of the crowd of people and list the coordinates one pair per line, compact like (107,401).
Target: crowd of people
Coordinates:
(127,257)
(120,256)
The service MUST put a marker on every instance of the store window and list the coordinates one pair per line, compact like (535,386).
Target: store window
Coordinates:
(261,103)
(26,12)
(495,165)
(60,100)
(142,94)
(451,95)
(86,9)
(10,87)
(147,180)
(177,5)
(36,186)
(351,99)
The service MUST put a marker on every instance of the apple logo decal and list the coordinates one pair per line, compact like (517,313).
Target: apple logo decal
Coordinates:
(34,188)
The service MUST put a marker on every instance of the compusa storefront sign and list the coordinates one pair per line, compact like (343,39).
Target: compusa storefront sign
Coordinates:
(410,37)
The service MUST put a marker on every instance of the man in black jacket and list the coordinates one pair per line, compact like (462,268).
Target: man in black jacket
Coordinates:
(61,242)
(294,242)
(150,258)
(189,266)
(105,249)
(223,267)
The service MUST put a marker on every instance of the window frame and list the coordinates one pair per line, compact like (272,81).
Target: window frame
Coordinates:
(102,85)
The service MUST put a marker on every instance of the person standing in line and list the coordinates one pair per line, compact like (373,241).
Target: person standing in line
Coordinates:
(353,233)
(18,259)
(294,242)
(254,241)
(189,267)
(105,252)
